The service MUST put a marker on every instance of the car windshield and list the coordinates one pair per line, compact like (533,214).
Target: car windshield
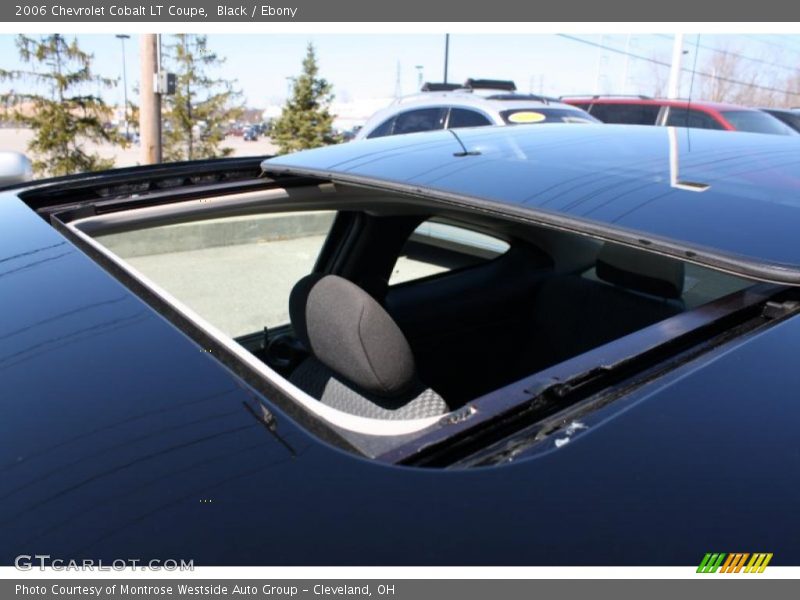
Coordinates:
(546,115)
(756,122)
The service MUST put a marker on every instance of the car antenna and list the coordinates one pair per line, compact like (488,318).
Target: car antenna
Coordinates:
(464,151)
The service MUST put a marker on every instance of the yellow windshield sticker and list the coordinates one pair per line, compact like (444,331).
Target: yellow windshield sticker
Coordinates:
(527,117)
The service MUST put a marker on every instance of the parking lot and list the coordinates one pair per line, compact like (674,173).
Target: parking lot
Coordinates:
(17,139)
(257,259)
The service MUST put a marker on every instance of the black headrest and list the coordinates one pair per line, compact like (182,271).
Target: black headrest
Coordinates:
(352,334)
(641,271)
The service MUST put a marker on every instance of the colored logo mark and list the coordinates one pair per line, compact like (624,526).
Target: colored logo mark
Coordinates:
(735,562)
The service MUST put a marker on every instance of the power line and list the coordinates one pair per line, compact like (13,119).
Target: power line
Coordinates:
(781,47)
(795,42)
(667,65)
(738,55)
(618,51)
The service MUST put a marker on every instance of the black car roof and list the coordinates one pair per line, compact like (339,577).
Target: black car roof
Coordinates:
(124,437)
(727,199)
(120,437)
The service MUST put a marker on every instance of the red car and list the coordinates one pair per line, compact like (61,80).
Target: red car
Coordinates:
(642,110)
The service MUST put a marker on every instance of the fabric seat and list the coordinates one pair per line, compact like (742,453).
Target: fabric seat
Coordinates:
(360,361)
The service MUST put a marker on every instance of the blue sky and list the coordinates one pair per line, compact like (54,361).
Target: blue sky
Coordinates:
(365,66)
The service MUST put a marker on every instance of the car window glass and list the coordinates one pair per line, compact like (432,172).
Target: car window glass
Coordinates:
(436,247)
(383,129)
(424,119)
(700,285)
(792,119)
(755,121)
(461,117)
(634,114)
(528,116)
(682,117)
(235,272)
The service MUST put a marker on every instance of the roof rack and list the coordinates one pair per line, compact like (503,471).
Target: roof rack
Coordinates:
(511,97)
(429,86)
(596,96)
(490,84)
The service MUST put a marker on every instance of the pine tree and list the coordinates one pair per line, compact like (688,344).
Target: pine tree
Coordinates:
(67,116)
(196,117)
(306,120)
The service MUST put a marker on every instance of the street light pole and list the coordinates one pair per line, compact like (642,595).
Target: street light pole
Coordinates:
(673,90)
(122,37)
(446,54)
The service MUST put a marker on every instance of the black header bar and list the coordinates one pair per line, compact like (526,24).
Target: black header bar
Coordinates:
(454,11)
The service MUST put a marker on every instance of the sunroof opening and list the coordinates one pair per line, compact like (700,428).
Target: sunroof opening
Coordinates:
(391,323)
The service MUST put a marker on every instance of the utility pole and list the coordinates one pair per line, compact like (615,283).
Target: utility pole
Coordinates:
(624,87)
(601,60)
(419,77)
(150,109)
(674,88)
(122,37)
(398,86)
(446,54)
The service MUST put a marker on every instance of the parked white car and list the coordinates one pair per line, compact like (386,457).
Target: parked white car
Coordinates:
(477,103)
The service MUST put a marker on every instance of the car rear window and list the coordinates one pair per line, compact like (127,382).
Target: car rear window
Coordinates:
(754,121)
(383,129)
(424,119)
(525,116)
(630,114)
(683,117)
(435,247)
(462,117)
